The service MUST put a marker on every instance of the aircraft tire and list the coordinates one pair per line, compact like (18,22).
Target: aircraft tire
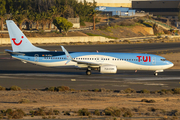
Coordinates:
(88,72)
(155,74)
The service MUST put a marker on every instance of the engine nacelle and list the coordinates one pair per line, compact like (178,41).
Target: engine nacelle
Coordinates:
(108,69)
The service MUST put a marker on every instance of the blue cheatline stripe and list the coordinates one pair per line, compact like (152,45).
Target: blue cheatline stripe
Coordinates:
(129,57)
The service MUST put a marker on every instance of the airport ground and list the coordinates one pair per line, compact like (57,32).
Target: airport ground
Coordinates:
(28,77)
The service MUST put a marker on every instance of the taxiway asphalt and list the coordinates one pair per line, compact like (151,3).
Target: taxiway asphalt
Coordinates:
(28,76)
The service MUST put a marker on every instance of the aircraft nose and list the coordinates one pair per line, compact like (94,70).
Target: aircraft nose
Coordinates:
(171,64)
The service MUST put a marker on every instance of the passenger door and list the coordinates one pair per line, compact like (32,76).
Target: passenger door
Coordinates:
(153,60)
(36,58)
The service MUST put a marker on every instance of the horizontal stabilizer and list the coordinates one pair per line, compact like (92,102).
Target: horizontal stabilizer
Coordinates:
(14,53)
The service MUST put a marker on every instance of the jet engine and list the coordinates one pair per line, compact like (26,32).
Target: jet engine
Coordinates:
(108,69)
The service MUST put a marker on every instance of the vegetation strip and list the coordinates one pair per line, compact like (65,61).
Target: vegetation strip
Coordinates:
(111,111)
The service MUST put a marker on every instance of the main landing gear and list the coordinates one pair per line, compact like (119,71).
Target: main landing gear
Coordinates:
(88,72)
(155,74)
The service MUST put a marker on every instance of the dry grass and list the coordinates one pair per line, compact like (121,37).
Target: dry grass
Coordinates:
(53,103)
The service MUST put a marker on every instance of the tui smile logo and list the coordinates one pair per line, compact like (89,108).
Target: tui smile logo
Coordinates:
(17,44)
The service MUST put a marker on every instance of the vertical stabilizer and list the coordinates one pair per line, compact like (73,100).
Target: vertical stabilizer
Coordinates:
(19,41)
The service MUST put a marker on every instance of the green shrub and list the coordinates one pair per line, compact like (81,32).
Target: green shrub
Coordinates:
(15,88)
(96,112)
(152,109)
(56,112)
(126,41)
(118,112)
(144,100)
(15,114)
(166,31)
(44,117)
(51,89)
(41,32)
(96,90)
(9,111)
(24,100)
(148,101)
(40,111)
(67,113)
(129,90)
(103,27)
(112,111)
(127,114)
(83,112)
(49,112)
(145,91)
(90,34)
(126,23)
(2,88)
(174,113)
(60,88)
(176,90)
(82,23)
(151,101)
(113,24)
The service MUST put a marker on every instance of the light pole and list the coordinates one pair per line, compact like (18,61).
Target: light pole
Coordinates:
(108,19)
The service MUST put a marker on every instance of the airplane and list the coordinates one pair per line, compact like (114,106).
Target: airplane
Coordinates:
(104,62)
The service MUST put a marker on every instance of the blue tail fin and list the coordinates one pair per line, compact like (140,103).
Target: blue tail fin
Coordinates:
(19,41)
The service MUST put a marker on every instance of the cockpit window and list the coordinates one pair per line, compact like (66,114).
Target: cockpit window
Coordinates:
(163,60)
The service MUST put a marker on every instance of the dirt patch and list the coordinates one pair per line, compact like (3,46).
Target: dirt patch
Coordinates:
(121,32)
(142,30)
(74,101)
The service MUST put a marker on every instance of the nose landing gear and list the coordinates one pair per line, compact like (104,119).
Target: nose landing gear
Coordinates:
(156,72)
(88,72)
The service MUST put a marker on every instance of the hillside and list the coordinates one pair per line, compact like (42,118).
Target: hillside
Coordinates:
(122,32)
(118,28)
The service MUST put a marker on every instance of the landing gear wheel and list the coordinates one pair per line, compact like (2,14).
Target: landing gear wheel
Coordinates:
(155,74)
(88,72)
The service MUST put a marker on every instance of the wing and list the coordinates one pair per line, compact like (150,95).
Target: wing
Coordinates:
(69,58)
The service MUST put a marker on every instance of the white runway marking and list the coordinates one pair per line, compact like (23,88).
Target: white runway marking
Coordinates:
(115,77)
(153,78)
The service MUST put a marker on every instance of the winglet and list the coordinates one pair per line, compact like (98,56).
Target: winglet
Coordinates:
(68,56)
